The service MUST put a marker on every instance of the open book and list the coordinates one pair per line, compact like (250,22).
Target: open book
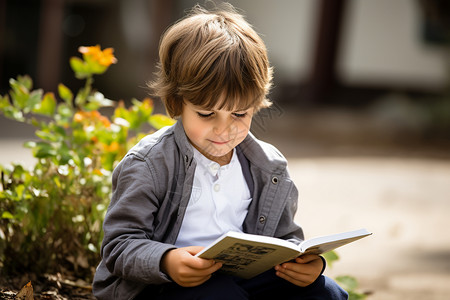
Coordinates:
(247,255)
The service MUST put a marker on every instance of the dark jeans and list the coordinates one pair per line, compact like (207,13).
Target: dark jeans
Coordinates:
(264,286)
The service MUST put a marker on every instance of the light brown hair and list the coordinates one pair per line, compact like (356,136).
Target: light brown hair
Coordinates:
(213,59)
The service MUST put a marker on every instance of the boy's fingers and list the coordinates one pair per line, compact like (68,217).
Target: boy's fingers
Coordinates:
(193,281)
(292,277)
(304,259)
(194,249)
(200,263)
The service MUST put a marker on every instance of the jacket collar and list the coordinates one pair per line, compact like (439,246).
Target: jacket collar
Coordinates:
(186,149)
(263,155)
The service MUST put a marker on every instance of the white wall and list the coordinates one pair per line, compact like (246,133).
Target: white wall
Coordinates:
(381,42)
(383,46)
(287,27)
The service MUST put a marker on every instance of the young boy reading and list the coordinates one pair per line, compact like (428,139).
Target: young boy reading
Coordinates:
(182,187)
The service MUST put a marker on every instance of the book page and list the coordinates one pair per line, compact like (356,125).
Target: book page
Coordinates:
(248,258)
(327,243)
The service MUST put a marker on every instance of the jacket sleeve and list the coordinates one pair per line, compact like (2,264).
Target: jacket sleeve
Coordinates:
(128,249)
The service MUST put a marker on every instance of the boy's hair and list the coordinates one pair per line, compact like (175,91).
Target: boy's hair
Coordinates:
(213,59)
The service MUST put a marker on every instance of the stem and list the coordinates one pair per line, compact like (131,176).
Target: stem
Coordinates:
(88,85)
(82,95)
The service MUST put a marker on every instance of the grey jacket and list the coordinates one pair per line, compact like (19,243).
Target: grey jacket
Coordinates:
(151,189)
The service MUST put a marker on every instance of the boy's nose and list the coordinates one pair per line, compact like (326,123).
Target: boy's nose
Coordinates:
(223,127)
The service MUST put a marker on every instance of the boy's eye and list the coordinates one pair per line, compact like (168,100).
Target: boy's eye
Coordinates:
(204,115)
(240,115)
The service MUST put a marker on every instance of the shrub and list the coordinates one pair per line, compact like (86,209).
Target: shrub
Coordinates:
(347,282)
(51,214)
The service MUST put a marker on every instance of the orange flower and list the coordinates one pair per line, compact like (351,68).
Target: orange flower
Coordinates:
(148,103)
(91,117)
(78,117)
(104,58)
(105,121)
(114,147)
(94,114)
(97,172)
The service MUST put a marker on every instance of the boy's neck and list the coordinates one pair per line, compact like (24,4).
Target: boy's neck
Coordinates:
(221,160)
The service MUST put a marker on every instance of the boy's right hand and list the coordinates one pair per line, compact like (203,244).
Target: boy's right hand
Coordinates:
(186,269)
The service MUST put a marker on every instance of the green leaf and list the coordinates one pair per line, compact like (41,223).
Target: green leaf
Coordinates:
(46,135)
(64,114)
(18,170)
(4,102)
(19,190)
(19,94)
(80,68)
(29,144)
(26,81)
(7,215)
(59,130)
(38,123)
(43,150)
(57,182)
(64,154)
(331,257)
(15,84)
(356,296)
(13,113)
(159,121)
(47,106)
(65,111)
(90,106)
(33,100)
(65,93)
(347,282)
(121,112)
(145,107)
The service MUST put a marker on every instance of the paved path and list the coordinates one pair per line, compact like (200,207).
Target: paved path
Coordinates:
(404,202)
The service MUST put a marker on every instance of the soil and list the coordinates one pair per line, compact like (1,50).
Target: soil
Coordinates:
(48,287)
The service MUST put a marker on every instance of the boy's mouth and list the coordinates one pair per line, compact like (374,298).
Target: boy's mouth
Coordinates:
(219,142)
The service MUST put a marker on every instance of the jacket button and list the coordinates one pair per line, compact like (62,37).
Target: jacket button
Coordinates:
(274,180)
(262,219)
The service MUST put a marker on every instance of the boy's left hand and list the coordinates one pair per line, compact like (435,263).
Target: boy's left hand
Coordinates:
(302,271)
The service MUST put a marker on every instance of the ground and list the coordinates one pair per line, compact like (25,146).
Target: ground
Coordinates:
(50,287)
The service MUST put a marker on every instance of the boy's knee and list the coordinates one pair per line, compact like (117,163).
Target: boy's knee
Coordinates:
(219,287)
(329,289)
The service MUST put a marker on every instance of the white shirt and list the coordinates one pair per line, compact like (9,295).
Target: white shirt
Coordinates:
(219,202)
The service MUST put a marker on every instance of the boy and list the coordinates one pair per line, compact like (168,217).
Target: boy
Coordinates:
(182,187)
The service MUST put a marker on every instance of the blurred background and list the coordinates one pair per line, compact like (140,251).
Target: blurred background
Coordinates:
(361,110)
(385,63)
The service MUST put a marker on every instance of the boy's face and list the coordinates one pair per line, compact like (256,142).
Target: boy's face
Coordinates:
(215,133)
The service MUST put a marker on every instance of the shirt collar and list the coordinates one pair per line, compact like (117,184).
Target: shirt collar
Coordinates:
(210,166)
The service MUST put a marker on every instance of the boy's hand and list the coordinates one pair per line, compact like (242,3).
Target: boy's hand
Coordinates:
(302,271)
(186,269)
